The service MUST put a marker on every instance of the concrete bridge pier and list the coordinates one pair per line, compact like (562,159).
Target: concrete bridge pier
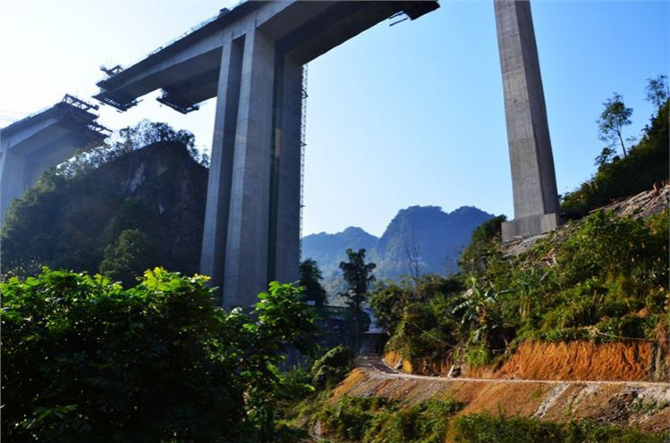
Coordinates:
(536,205)
(254,179)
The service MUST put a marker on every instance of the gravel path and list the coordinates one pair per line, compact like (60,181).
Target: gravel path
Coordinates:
(376,364)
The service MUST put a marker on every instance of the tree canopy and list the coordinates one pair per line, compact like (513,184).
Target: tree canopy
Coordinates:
(358,276)
(645,164)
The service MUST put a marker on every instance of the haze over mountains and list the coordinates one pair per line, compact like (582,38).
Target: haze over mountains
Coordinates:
(419,236)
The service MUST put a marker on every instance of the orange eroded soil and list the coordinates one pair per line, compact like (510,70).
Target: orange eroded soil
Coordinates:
(577,360)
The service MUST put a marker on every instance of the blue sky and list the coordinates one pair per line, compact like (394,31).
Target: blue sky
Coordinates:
(398,116)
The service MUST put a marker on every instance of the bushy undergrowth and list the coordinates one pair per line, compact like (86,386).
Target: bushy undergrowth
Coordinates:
(376,420)
(608,278)
(485,428)
(332,367)
(86,360)
(417,314)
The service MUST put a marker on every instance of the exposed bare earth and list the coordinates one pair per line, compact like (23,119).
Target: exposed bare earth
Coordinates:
(643,360)
(627,403)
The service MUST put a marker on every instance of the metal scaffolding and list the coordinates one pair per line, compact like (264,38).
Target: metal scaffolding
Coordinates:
(303,144)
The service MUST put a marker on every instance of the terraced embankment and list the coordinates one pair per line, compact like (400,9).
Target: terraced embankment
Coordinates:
(627,403)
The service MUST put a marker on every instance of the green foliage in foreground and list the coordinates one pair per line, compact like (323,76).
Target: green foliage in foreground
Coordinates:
(86,360)
(485,428)
(376,420)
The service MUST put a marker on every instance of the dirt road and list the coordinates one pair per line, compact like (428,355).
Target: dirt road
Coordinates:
(376,363)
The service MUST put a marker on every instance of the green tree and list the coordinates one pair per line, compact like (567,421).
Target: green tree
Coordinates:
(128,256)
(310,280)
(86,360)
(613,119)
(658,91)
(480,314)
(483,241)
(357,275)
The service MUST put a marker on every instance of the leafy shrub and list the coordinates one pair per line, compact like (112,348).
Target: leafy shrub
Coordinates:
(417,315)
(606,244)
(86,360)
(351,417)
(376,420)
(425,422)
(332,367)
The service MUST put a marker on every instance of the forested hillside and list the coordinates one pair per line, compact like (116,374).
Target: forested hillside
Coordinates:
(135,212)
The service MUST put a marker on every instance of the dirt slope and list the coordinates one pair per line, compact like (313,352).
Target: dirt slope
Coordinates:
(643,404)
(576,360)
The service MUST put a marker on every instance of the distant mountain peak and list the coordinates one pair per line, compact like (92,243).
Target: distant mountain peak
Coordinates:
(436,236)
(354,230)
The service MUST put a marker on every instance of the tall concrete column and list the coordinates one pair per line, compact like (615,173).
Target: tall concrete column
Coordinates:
(246,269)
(252,220)
(237,220)
(212,261)
(286,174)
(536,205)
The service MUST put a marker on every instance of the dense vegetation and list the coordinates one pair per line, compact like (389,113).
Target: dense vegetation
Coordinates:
(376,420)
(604,278)
(86,360)
(486,428)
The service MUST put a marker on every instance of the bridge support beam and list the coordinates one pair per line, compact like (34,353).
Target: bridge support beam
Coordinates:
(30,146)
(536,205)
(254,181)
